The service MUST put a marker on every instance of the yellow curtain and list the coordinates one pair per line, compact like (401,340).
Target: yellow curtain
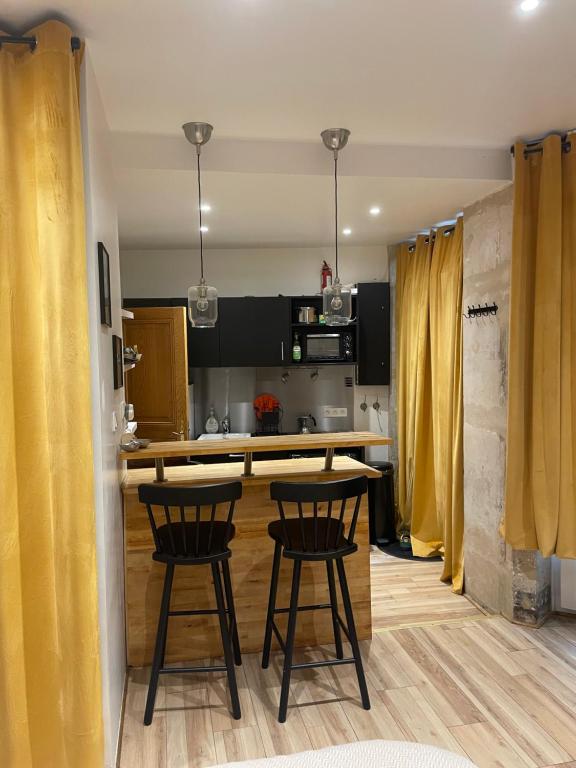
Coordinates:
(50,687)
(540,506)
(416,497)
(447,405)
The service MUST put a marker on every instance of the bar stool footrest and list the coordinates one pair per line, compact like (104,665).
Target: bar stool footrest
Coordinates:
(320,606)
(326,663)
(203,612)
(183,670)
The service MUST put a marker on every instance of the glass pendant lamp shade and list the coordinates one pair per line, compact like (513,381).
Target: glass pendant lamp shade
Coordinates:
(336,298)
(337,303)
(202,298)
(202,305)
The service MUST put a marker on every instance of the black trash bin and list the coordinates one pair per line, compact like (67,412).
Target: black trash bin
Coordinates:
(381,505)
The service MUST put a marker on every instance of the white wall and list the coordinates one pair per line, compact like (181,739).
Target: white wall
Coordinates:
(102,224)
(245,272)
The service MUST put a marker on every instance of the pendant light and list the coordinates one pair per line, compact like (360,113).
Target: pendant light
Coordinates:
(202,298)
(337,299)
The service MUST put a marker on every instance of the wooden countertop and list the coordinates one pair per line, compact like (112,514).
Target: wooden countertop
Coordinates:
(324,440)
(264,471)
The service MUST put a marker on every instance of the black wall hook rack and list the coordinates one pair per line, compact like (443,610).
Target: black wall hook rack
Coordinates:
(481,311)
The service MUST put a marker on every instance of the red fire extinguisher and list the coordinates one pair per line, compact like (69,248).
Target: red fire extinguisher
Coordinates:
(326,275)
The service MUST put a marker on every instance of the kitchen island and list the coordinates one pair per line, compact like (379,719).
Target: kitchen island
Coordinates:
(198,637)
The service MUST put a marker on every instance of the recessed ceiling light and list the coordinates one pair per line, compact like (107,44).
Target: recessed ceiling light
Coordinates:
(529,5)
(375,211)
(346,231)
(203,229)
(205,207)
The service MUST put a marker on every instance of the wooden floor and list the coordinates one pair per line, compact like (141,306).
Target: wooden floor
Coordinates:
(407,592)
(439,672)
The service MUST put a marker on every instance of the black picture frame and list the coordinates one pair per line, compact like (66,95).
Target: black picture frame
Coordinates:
(118,361)
(104,280)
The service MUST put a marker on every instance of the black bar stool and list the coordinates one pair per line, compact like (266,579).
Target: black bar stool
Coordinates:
(314,537)
(194,542)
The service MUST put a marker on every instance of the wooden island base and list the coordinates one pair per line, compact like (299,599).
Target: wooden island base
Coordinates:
(198,637)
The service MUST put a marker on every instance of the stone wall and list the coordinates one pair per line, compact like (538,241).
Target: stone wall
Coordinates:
(516,584)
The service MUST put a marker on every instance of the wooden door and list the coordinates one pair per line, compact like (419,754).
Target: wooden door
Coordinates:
(158,385)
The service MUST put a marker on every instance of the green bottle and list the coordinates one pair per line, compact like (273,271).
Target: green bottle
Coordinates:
(296,350)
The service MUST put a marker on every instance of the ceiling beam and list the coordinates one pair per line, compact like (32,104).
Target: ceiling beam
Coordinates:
(163,152)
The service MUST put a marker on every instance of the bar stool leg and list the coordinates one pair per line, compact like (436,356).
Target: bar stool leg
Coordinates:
(334,604)
(352,632)
(160,647)
(232,612)
(271,606)
(226,642)
(290,641)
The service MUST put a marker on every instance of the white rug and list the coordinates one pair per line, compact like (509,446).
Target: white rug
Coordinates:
(364,754)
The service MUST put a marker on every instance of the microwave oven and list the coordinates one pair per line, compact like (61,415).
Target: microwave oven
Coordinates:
(328,347)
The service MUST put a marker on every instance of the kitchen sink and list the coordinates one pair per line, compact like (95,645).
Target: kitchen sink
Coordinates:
(222,436)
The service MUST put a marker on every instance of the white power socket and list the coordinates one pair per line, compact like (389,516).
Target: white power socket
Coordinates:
(332,411)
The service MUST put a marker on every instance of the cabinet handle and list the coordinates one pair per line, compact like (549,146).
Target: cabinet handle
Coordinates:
(282,350)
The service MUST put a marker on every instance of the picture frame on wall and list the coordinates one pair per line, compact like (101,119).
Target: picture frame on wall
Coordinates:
(118,361)
(104,280)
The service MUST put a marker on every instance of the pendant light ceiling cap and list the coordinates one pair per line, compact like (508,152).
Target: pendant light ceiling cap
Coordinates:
(335,139)
(198,133)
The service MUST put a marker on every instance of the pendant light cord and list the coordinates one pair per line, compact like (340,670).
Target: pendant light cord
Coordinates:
(336,207)
(200,214)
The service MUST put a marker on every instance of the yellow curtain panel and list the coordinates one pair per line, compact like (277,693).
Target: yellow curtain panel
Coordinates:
(416,498)
(540,505)
(429,395)
(50,686)
(447,403)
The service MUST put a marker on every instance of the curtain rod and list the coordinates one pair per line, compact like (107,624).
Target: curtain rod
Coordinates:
(534,147)
(447,231)
(32,42)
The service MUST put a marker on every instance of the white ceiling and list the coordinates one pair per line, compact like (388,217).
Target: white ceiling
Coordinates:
(269,210)
(432,72)
(419,73)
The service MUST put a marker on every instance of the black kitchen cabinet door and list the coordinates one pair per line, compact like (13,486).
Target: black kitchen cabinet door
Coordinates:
(373,333)
(254,331)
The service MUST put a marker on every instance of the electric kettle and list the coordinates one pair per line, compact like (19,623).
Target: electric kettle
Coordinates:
(305,424)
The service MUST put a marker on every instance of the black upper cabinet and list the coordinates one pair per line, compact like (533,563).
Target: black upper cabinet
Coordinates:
(257,331)
(203,347)
(254,331)
(373,351)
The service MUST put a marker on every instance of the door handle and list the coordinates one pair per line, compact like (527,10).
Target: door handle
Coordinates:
(282,350)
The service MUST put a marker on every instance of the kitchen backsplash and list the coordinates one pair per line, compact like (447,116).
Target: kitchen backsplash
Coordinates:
(314,391)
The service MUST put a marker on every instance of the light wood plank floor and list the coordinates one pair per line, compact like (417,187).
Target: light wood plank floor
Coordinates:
(409,592)
(446,675)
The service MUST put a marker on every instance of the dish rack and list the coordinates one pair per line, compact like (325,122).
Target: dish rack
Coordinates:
(269,422)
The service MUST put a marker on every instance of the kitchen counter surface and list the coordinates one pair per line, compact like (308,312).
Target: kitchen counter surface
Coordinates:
(299,442)
(197,637)
(263,472)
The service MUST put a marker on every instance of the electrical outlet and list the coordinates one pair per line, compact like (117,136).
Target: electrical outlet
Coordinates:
(331,411)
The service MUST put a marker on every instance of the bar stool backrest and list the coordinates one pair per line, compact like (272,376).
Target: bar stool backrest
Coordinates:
(191,515)
(335,494)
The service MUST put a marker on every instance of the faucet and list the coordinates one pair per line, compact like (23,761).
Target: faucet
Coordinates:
(226,424)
